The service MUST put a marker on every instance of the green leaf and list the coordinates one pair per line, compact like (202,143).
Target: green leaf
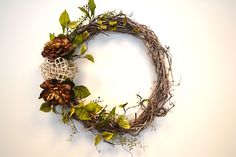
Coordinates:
(89,57)
(78,40)
(123,122)
(107,135)
(108,118)
(81,92)
(45,107)
(78,111)
(99,22)
(123,105)
(92,6)
(84,11)
(81,104)
(97,139)
(103,16)
(72,111)
(102,27)
(125,21)
(113,28)
(65,118)
(64,20)
(83,49)
(51,36)
(112,23)
(112,113)
(82,114)
(93,107)
(72,25)
(85,35)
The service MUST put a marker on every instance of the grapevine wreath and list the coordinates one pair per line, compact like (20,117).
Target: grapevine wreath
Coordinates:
(63,97)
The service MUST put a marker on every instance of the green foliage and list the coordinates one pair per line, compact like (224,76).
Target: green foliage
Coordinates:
(112,23)
(85,11)
(89,9)
(105,118)
(97,139)
(78,40)
(101,26)
(113,28)
(125,21)
(89,57)
(82,114)
(85,35)
(93,107)
(123,122)
(81,92)
(103,16)
(128,141)
(72,111)
(83,48)
(107,135)
(92,7)
(65,118)
(81,104)
(45,107)
(51,36)
(99,22)
(123,105)
(64,20)
(72,25)
(112,113)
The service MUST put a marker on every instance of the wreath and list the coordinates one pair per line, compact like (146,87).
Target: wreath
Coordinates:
(63,97)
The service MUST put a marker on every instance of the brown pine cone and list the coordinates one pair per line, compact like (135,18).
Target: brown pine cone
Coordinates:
(59,47)
(56,93)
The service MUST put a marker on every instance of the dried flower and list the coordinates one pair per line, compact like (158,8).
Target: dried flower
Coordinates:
(59,47)
(55,92)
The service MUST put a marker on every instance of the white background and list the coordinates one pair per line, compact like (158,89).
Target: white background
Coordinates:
(201,34)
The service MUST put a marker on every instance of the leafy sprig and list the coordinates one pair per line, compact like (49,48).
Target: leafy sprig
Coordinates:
(88,112)
(89,9)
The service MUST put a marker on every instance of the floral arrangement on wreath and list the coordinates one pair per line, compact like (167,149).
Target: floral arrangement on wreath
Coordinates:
(63,97)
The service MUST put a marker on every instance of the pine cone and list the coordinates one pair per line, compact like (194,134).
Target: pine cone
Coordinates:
(59,47)
(56,93)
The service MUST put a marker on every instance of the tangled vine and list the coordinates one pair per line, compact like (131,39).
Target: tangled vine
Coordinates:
(63,97)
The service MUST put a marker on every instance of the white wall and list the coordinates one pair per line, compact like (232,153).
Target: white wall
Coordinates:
(201,34)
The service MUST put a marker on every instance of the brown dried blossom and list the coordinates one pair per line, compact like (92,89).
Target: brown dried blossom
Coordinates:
(56,93)
(59,47)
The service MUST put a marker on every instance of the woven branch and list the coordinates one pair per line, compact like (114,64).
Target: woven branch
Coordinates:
(159,102)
